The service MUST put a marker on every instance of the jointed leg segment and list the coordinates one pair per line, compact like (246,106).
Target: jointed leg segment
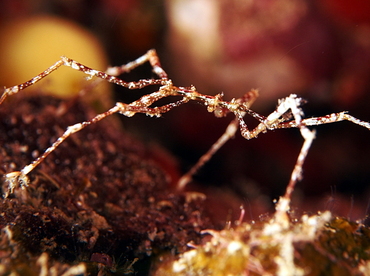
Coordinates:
(109,76)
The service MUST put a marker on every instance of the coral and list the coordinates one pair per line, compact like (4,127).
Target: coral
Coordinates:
(312,245)
(102,192)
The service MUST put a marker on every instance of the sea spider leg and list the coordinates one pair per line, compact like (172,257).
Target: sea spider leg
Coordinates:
(240,107)
(20,177)
(308,135)
(284,202)
(327,119)
(229,133)
(271,121)
(140,106)
(274,121)
(150,56)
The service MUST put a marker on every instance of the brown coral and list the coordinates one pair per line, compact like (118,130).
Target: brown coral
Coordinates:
(99,192)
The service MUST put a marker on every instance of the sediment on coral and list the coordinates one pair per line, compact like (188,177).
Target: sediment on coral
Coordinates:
(100,192)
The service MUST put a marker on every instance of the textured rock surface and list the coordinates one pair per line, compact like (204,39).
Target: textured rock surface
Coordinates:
(99,192)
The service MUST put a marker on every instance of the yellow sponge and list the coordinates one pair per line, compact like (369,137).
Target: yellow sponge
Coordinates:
(29,46)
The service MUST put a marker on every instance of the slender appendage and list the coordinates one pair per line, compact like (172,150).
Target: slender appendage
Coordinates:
(309,136)
(20,178)
(229,133)
(150,56)
(327,119)
(293,103)
(15,89)
(216,104)
(282,207)
(110,76)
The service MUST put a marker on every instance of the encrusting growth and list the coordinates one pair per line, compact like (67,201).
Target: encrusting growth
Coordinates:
(288,113)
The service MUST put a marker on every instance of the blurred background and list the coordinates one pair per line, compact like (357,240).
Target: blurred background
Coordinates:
(319,50)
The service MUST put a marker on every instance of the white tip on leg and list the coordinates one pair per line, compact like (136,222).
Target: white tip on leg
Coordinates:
(14,180)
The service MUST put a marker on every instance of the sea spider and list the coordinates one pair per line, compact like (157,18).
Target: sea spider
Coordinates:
(288,114)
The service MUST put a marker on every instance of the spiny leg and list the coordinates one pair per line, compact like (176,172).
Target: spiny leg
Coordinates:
(20,177)
(150,56)
(276,121)
(292,103)
(15,89)
(140,106)
(309,136)
(327,119)
(229,133)
(282,207)
(248,99)
(273,120)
